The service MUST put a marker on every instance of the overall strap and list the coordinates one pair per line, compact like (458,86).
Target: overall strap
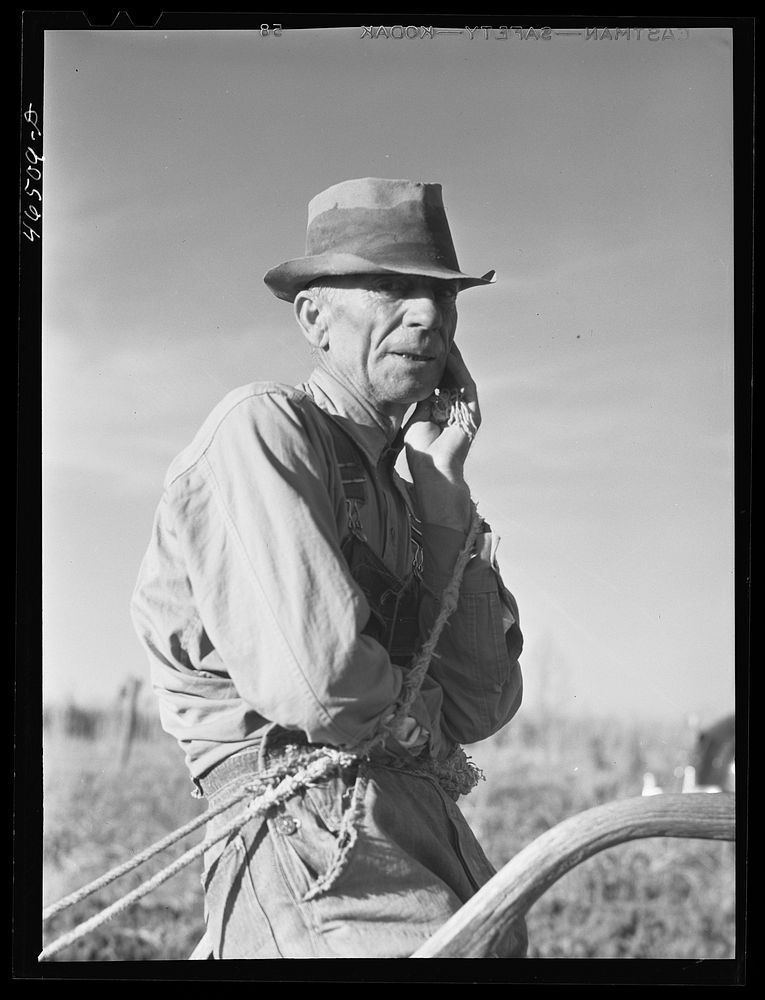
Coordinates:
(352,474)
(354,479)
(351,468)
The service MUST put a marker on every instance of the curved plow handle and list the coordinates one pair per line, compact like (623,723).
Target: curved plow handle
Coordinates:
(480,923)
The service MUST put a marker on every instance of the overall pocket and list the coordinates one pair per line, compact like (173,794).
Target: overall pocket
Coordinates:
(237,925)
(313,833)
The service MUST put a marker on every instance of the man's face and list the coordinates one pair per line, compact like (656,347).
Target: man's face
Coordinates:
(389,335)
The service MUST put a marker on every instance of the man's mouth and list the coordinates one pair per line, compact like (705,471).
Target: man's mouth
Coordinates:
(414,357)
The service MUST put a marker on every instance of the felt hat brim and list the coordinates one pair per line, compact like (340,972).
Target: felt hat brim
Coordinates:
(287,279)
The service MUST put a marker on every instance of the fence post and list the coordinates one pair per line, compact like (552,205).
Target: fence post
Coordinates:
(129,696)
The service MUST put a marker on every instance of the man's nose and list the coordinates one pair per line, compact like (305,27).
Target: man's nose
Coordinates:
(423,309)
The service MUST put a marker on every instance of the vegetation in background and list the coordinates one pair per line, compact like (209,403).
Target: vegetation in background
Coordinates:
(107,797)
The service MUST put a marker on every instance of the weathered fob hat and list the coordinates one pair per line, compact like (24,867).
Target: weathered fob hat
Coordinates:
(371,226)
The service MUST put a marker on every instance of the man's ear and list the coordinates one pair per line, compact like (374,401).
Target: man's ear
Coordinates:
(310,312)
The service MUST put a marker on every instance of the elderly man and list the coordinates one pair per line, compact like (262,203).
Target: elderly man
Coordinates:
(292,580)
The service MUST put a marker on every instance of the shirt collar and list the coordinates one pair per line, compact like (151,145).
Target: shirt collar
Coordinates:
(373,432)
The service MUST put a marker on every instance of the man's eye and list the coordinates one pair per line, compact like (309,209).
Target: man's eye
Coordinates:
(390,286)
(401,288)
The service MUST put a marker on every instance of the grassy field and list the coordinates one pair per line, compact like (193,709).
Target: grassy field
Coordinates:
(657,898)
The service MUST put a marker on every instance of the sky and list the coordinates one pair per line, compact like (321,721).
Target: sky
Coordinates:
(594,175)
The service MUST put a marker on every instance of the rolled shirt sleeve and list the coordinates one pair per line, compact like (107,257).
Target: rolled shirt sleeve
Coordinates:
(477,658)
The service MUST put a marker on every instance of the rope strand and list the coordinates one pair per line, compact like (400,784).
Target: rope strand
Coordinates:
(140,858)
(265,778)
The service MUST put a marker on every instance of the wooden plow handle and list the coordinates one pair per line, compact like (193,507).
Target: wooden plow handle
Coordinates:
(481,922)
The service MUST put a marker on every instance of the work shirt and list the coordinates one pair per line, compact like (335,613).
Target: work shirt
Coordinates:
(249,612)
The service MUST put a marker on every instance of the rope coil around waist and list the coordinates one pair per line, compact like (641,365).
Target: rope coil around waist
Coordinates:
(456,774)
